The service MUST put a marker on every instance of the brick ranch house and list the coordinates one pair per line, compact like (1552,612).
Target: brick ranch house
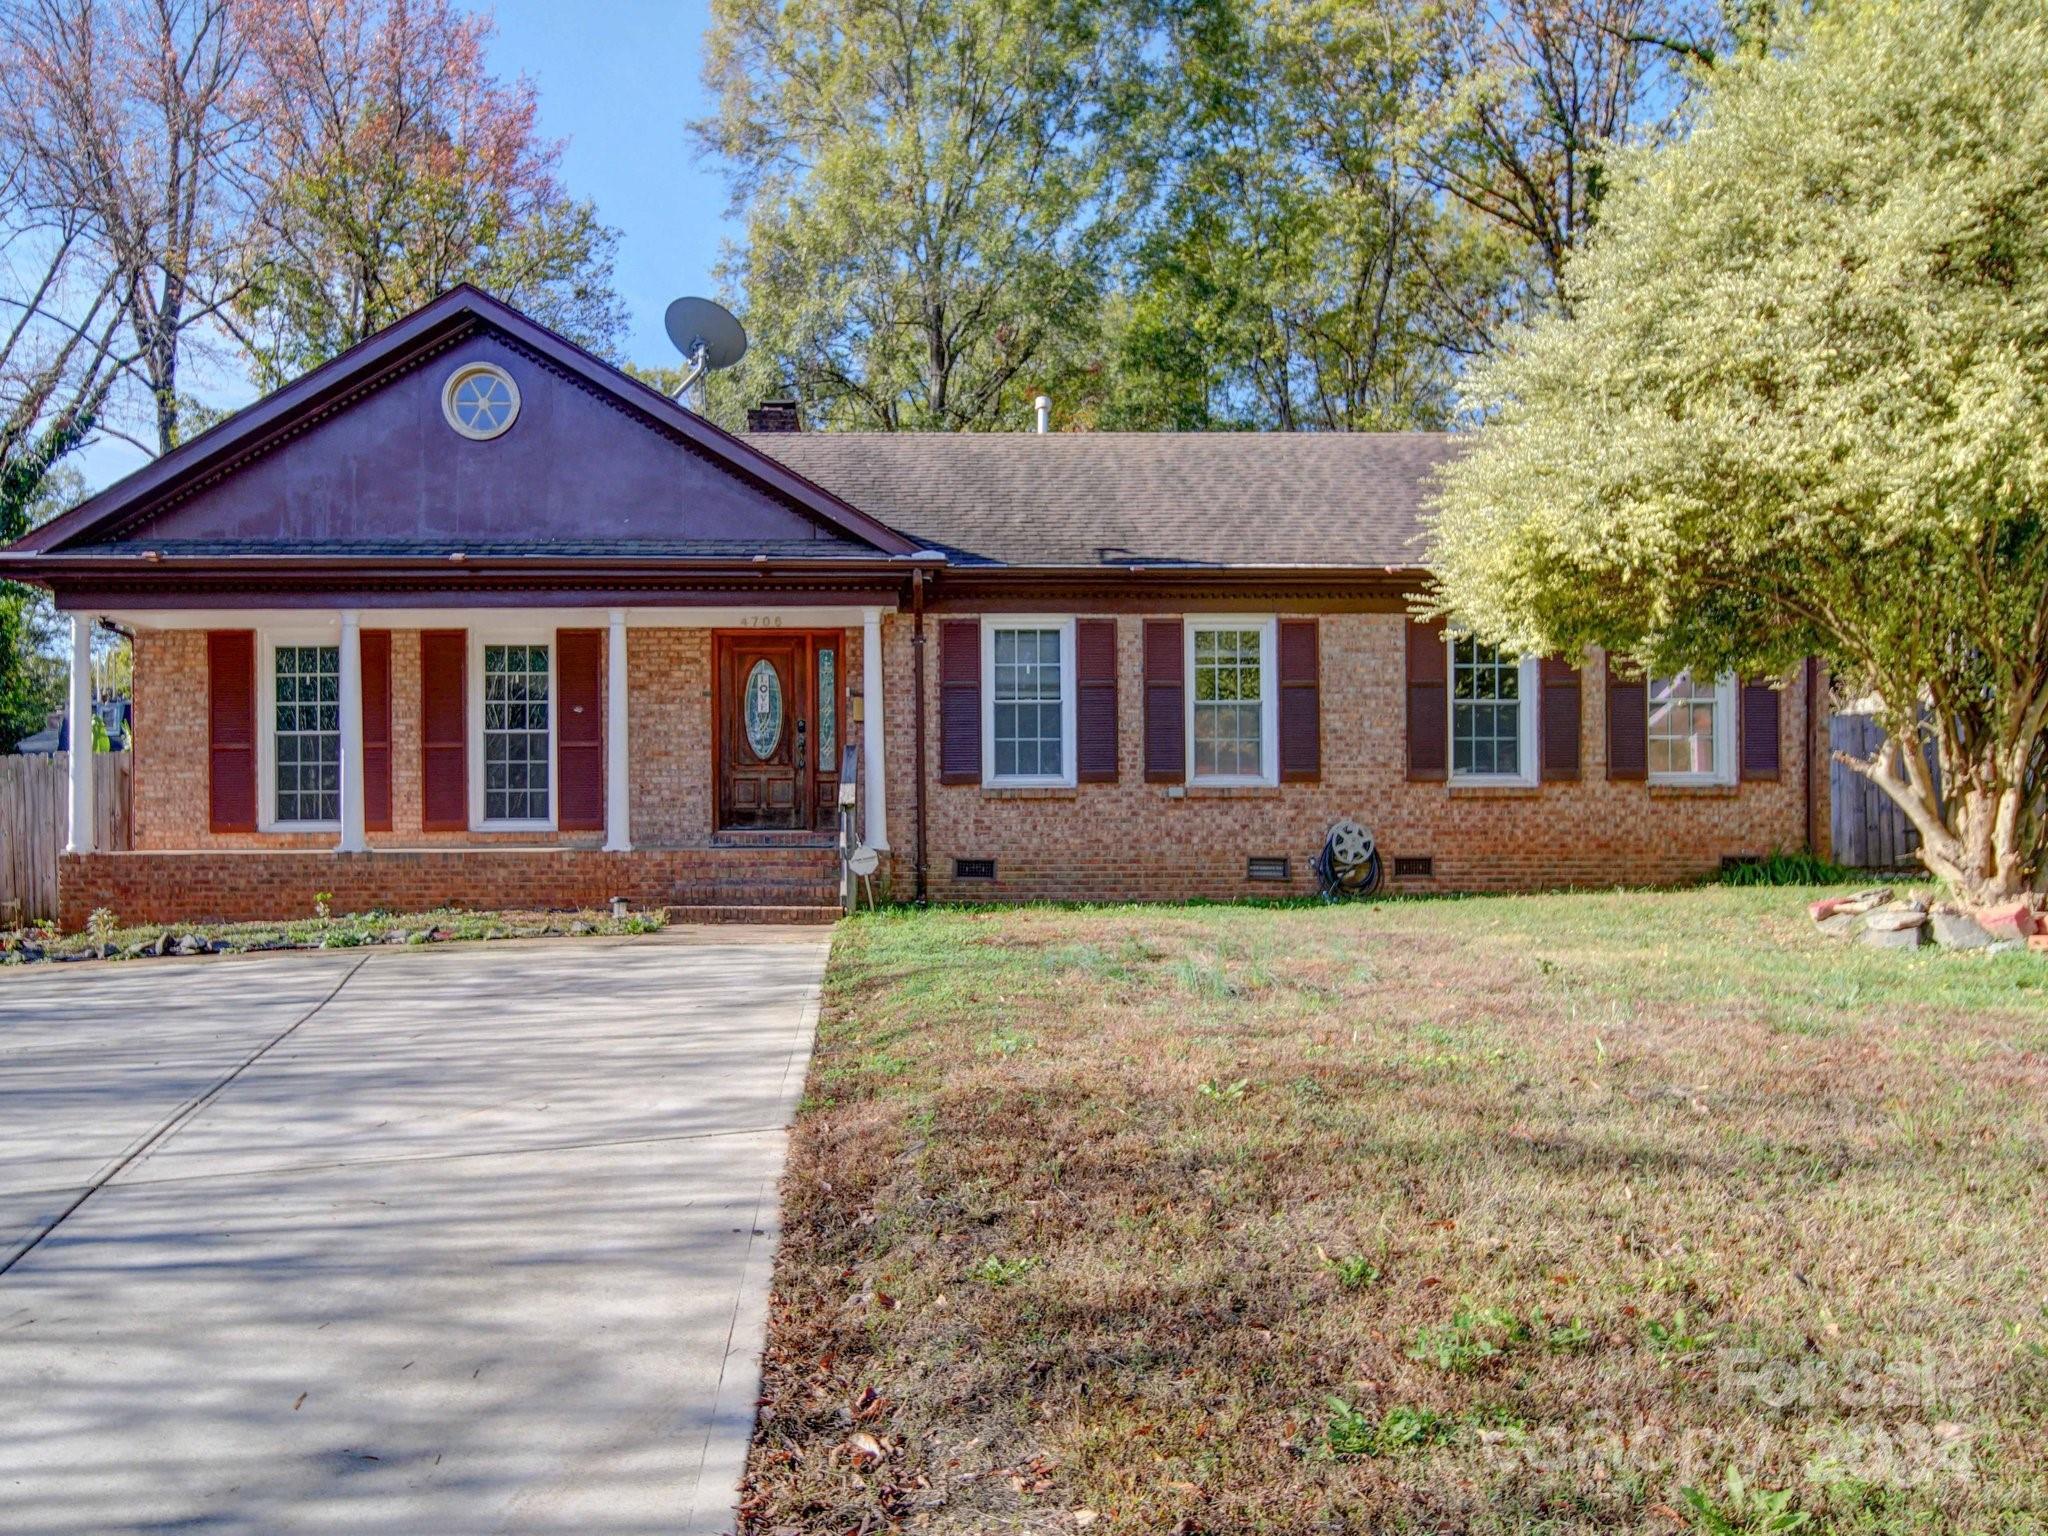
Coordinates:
(467,616)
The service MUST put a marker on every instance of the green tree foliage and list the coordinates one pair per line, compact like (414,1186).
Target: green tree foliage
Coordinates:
(398,166)
(31,676)
(1802,407)
(1301,273)
(931,191)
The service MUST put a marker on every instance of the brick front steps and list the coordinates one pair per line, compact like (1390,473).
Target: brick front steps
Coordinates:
(749,884)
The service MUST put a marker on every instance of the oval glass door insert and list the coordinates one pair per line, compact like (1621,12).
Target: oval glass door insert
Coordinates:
(762,709)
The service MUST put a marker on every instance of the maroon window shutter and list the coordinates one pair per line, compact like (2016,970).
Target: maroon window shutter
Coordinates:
(444,730)
(1628,724)
(1759,730)
(1429,704)
(376,653)
(1095,700)
(1557,729)
(579,729)
(1301,710)
(1166,742)
(230,730)
(960,701)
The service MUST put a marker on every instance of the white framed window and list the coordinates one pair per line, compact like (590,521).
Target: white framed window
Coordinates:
(1233,703)
(1692,730)
(1028,700)
(1493,714)
(480,401)
(299,744)
(512,730)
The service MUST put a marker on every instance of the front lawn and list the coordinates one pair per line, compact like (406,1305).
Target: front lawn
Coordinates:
(1509,1214)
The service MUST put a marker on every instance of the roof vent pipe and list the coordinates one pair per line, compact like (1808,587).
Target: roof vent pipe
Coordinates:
(1043,404)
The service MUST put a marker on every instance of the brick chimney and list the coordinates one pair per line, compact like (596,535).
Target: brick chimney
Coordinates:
(774,416)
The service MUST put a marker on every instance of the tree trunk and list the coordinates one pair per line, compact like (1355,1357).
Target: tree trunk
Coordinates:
(1974,835)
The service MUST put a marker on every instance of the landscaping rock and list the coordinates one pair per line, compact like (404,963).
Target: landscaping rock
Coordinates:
(2014,920)
(579,928)
(1894,920)
(191,944)
(396,936)
(1841,925)
(1957,930)
(166,943)
(420,936)
(2007,947)
(1909,937)
(2038,943)
(1866,901)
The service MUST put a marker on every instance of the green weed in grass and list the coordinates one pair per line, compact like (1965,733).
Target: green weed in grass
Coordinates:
(1351,1433)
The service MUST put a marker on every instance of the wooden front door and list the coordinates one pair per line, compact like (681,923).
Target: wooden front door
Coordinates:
(778,726)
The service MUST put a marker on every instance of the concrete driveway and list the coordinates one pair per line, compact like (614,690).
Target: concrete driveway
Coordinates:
(437,1240)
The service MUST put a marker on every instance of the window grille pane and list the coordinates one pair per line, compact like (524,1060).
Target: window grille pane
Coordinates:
(515,733)
(1229,717)
(1486,712)
(306,733)
(1684,725)
(1028,720)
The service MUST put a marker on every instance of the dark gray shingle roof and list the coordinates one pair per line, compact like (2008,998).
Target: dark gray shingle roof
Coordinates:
(1345,499)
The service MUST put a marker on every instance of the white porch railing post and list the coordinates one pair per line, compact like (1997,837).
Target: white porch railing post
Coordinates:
(618,784)
(79,836)
(874,772)
(354,836)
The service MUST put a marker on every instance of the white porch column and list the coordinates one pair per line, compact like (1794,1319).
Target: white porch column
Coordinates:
(618,784)
(354,839)
(79,838)
(873,771)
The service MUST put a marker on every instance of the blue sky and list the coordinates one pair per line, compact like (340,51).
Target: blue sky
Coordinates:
(618,79)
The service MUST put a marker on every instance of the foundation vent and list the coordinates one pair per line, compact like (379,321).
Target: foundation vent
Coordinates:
(1415,867)
(1265,867)
(974,869)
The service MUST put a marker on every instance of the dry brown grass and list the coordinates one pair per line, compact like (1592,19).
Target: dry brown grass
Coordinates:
(1577,1202)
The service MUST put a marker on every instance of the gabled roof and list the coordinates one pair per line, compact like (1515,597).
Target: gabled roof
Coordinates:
(1328,500)
(274,421)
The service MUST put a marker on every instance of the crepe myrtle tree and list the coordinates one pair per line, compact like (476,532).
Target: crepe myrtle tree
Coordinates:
(1801,408)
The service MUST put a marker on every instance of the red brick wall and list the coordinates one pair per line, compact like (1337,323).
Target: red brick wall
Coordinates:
(669,726)
(1133,840)
(265,885)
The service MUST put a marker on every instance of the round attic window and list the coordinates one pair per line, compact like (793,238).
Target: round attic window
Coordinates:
(480,400)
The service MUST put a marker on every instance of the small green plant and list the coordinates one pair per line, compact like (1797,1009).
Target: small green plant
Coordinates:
(1350,1433)
(995,1271)
(1675,1337)
(320,901)
(1468,1340)
(1785,868)
(101,926)
(1008,1042)
(1225,1093)
(1744,1511)
(1564,1338)
(1354,1271)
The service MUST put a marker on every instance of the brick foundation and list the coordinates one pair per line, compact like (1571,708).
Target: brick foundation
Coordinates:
(247,885)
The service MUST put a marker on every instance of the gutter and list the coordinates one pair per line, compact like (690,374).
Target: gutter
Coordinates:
(917,689)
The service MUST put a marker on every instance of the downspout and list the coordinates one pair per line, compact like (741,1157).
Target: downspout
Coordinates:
(1812,719)
(917,692)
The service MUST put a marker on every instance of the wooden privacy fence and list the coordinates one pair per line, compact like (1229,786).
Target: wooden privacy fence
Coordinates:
(1869,830)
(35,816)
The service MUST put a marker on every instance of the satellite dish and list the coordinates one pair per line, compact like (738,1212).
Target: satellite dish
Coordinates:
(695,324)
(708,337)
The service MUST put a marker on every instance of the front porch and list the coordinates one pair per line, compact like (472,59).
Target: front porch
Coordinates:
(690,758)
